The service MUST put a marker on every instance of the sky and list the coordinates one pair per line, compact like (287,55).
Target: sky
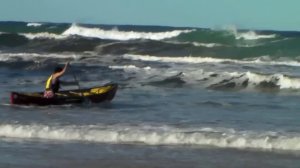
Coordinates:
(245,14)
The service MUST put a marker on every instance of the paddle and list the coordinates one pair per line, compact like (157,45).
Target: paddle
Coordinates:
(75,78)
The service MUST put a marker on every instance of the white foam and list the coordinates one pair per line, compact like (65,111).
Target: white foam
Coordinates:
(193,75)
(187,59)
(43,35)
(284,82)
(208,45)
(197,60)
(140,73)
(129,67)
(115,34)
(34,24)
(33,56)
(156,135)
(254,79)
(288,83)
(197,44)
(249,35)
(238,78)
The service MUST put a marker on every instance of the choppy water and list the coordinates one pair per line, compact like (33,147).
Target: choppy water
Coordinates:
(187,98)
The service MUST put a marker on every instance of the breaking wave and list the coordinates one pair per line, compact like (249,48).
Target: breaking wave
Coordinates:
(157,135)
(251,35)
(115,34)
(34,24)
(217,80)
(212,79)
(196,60)
(248,35)
(147,40)
(44,35)
(4,57)
(237,80)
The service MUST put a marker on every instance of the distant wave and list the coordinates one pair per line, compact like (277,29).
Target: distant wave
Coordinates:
(251,35)
(4,57)
(248,35)
(197,44)
(187,59)
(208,45)
(157,135)
(44,35)
(34,24)
(193,60)
(115,34)
(129,67)
(174,42)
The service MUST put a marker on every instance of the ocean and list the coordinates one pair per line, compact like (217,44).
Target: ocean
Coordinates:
(187,97)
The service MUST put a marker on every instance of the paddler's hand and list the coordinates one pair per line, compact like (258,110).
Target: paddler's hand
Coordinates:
(65,68)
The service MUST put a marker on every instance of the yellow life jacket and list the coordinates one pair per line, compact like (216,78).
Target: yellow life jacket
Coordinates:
(49,83)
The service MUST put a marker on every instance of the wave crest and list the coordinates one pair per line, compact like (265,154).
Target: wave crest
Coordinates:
(115,34)
(248,35)
(43,35)
(34,24)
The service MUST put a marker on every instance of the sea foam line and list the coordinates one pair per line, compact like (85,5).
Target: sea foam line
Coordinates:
(193,60)
(155,135)
(33,56)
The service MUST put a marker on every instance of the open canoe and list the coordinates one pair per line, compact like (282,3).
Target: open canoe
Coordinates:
(94,95)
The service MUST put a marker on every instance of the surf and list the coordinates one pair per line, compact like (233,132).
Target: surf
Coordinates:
(156,135)
(116,34)
(263,60)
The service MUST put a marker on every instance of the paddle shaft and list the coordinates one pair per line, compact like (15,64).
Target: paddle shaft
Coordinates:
(74,76)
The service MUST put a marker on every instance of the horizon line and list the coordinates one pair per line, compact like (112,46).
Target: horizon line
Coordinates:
(171,26)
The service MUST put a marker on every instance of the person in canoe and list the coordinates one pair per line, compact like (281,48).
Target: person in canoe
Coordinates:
(53,82)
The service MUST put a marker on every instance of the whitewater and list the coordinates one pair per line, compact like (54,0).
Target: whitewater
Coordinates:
(186,97)
(154,135)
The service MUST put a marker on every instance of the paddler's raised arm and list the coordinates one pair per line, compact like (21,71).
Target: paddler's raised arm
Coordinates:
(59,74)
